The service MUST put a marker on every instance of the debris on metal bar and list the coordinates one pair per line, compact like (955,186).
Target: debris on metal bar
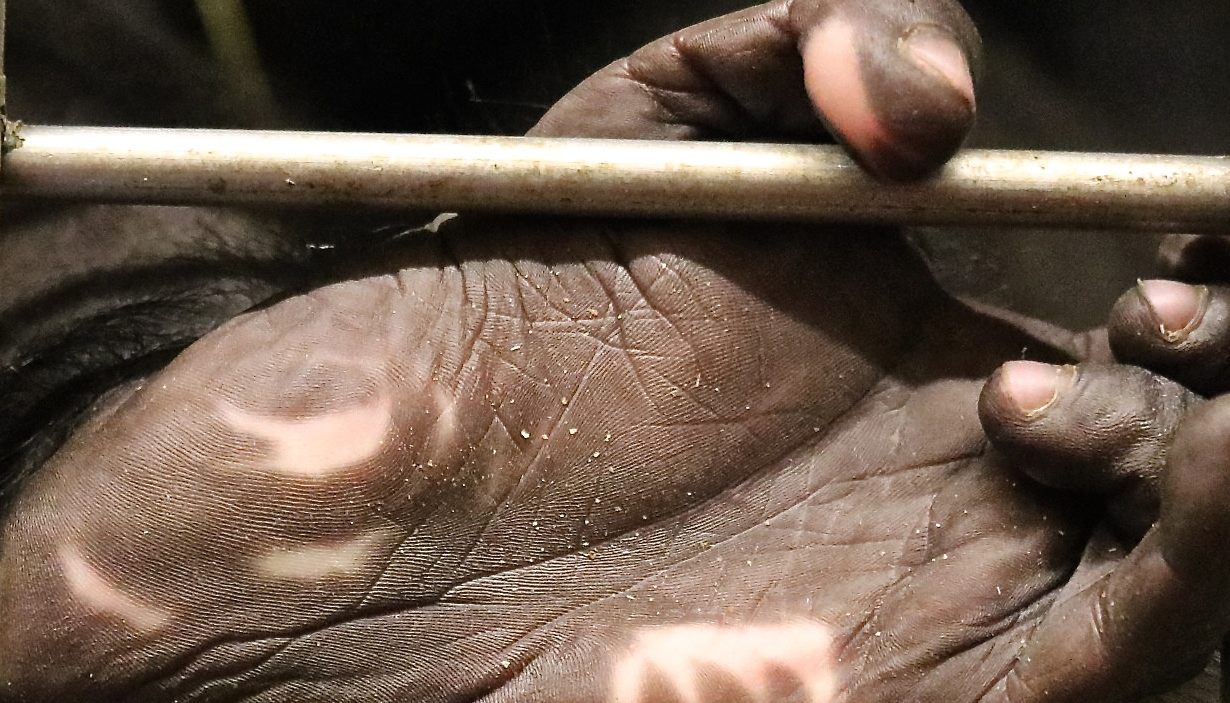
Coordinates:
(612,178)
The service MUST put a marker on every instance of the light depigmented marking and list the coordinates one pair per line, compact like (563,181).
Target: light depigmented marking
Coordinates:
(315,447)
(752,655)
(835,84)
(320,560)
(443,440)
(100,595)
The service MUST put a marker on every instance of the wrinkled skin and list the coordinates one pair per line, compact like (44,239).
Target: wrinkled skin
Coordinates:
(1143,440)
(530,459)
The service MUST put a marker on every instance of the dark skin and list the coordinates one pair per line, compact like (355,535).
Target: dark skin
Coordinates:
(1165,443)
(563,460)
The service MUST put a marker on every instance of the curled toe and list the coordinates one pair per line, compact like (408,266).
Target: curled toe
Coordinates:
(1177,330)
(1101,429)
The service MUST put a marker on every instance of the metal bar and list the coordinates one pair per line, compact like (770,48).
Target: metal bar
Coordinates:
(4,122)
(607,177)
(3,79)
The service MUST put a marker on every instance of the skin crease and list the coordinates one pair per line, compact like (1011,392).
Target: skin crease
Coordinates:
(604,441)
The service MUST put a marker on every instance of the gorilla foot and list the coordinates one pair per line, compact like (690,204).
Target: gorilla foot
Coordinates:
(1156,459)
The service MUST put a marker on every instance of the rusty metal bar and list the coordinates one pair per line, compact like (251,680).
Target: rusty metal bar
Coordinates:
(4,123)
(3,79)
(608,177)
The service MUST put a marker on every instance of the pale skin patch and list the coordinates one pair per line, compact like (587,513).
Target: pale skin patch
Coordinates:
(97,593)
(320,560)
(316,447)
(754,655)
(835,85)
(443,439)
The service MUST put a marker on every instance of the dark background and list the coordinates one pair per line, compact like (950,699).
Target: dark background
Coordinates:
(1126,75)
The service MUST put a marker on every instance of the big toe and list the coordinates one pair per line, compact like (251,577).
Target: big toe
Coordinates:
(895,85)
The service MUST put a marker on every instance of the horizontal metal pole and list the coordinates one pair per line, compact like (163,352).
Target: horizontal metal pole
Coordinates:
(608,177)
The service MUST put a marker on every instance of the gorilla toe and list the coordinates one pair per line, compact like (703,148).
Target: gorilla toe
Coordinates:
(1177,330)
(1095,428)
(1159,457)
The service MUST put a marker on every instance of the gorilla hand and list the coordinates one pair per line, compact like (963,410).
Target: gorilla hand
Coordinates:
(521,459)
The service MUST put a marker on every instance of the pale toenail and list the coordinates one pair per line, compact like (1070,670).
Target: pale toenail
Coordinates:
(1033,386)
(1177,307)
(934,50)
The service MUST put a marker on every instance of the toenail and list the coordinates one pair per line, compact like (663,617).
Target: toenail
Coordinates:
(935,51)
(1177,308)
(1033,386)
